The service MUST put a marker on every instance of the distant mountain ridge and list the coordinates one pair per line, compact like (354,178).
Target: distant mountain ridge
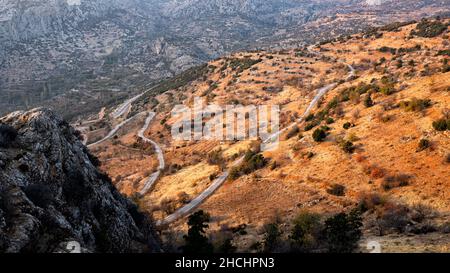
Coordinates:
(58,51)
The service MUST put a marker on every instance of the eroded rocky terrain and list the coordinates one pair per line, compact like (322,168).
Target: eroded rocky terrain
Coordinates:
(51,193)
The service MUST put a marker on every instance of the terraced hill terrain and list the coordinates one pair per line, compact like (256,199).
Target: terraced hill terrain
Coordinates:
(378,139)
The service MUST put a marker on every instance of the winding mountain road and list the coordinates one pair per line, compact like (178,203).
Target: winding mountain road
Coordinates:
(141,134)
(320,93)
(154,176)
(197,201)
(84,126)
(120,111)
(185,210)
(113,131)
(124,107)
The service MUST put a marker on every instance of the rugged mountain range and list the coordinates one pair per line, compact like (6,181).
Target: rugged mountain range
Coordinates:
(103,50)
(53,198)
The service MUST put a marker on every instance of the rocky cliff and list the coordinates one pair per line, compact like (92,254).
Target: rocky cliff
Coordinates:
(51,193)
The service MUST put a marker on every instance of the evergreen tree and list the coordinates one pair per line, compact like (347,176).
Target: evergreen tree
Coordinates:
(271,237)
(305,233)
(343,231)
(196,241)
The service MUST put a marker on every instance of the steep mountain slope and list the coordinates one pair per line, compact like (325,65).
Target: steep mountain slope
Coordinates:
(52,194)
(377,140)
(60,53)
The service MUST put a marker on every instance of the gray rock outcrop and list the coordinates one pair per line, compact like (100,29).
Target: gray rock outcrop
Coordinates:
(51,193)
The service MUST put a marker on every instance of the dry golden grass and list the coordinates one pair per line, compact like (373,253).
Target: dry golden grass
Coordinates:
(385,138)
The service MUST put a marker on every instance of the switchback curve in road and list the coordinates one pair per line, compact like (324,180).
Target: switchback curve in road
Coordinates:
(154,176)
(113,131)
(185,210)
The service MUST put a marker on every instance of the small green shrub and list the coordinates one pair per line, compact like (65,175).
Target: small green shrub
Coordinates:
(242,64)
(429,29)
(252,161)
(234,173)
(386,49)
(348,146)
(347,125)
(423,145)
(309,117)
(330,120)
(310,126)
(441,124)
(387,90)
(368,102)
(415,105)
(445,52)
(395,181)
(333,103)
(395,27)
(336,189)
(310,155)
(274,165)
(212,177)
(445,66)
(319,135)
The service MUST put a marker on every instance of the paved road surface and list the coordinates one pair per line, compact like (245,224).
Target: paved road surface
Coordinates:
(113,131)
(185,210)
(124,107)
(197,201)
(154,176)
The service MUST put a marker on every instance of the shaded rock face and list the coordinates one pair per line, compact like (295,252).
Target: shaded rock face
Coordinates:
(51,193)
